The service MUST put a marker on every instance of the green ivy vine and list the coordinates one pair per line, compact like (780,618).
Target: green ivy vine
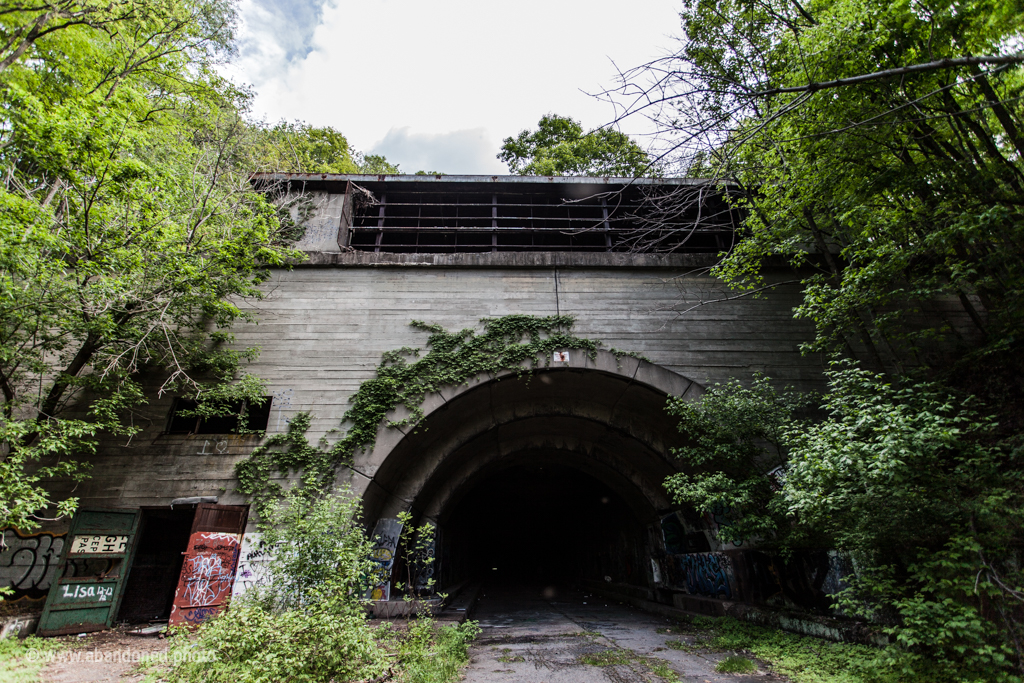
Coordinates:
(404,379)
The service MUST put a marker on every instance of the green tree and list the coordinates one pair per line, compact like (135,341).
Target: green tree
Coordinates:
(736,458)
(876,144)
(560,147)
(128,229)
(375,164)
(297,147)
(909,480)
(915,484)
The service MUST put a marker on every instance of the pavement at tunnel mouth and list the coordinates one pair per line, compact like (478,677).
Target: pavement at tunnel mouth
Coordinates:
(532,633)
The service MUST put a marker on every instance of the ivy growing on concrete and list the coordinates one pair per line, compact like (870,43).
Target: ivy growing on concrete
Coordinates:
(515,343)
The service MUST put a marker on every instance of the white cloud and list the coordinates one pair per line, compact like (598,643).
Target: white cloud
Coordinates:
(462,151)
(441,69)
(275,35)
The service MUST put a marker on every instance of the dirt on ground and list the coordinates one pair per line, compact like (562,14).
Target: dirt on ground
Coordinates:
(105,656)
(528,636)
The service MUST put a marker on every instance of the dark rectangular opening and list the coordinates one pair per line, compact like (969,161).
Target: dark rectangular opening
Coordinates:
(414,217)
(153,578)
(241,417)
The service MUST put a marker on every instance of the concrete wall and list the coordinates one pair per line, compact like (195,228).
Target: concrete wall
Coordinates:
(324,325)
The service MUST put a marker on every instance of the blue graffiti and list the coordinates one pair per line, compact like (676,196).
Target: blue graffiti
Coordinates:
(197,615)
(706,574)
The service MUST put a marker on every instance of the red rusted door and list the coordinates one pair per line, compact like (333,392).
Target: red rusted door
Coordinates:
(210,562)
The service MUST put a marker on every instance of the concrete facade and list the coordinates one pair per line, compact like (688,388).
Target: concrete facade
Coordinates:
(598,423)
(322,329)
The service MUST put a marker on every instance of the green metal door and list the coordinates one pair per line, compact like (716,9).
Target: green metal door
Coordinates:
(90,579)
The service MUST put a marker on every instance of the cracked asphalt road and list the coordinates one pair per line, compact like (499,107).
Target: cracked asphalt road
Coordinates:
(533,634)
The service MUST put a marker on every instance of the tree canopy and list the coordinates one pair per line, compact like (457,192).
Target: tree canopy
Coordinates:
(128,227)
(878,143)
(875,149)
(560,147)
(298,147)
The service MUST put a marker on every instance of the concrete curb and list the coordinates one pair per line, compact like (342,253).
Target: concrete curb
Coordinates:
(688,606)
(20,626)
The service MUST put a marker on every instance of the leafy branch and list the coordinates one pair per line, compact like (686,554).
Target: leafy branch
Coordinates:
(512,343)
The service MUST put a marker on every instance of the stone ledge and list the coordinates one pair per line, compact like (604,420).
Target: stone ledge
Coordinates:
(506,259)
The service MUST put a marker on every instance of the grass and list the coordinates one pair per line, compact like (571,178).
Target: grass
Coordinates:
(624,657)
(735,665)
(685,647)
(21,659)
(417,651)
(507,656)
(804,659)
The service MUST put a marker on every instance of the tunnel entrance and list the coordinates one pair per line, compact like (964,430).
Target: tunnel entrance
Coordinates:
(544,523)
(553,476)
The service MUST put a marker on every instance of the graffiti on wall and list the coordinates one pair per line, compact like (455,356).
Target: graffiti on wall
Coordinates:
(840,567)
(207,576)
(423,565)
(385,544)
(683,536)
(708,574)
(717,518)
(253,565)
(28,563)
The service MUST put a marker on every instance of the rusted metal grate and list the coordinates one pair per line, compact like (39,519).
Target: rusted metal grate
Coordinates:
(423,220)
(473,214)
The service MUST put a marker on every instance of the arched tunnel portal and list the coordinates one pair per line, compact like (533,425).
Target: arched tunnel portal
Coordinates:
(553,476)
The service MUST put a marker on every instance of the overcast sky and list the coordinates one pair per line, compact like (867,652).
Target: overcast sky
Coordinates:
(437,85)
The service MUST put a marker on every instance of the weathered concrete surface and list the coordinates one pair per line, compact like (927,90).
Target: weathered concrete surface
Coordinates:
(530,638)
(322,330)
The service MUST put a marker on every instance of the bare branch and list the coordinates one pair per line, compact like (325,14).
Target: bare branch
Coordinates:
(890,73)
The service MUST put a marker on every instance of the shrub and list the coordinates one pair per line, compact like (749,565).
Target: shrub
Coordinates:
(915,484)
(309,624)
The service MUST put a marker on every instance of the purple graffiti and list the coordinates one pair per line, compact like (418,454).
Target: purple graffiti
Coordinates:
(208,579)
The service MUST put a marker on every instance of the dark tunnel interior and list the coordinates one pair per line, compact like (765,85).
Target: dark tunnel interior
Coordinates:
(542,523)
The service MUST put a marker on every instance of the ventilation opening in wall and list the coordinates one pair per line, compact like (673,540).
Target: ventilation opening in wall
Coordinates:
(154,573)
(240,417)
(417,217)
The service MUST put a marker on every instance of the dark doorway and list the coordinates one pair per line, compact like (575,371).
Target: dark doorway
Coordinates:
(546,524)
(154,573)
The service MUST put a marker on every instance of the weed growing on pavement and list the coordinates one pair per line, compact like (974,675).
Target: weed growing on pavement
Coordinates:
(661,669)
(735,665)
(803,659)
(608,658)
(427,653)
(691,648)
(624,657)
(507,656)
